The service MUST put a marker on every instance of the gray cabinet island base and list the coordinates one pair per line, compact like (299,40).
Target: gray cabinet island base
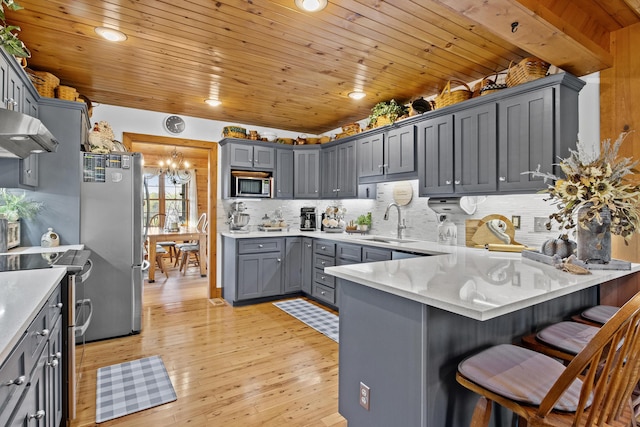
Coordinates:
(408,352)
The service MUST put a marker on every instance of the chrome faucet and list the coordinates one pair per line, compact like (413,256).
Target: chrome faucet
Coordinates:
(401,223)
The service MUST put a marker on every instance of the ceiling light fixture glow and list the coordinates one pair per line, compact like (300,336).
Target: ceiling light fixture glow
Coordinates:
(111,34)
(213,102)
(311,5)
(357,94)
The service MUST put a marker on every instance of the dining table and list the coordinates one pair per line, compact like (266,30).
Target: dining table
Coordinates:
(183,234)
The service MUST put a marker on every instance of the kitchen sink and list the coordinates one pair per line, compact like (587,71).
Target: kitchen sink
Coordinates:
(384,239)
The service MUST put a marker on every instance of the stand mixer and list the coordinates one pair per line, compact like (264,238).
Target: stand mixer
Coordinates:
(238,220)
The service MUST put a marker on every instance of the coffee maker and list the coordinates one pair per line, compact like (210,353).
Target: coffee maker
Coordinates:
(308,219)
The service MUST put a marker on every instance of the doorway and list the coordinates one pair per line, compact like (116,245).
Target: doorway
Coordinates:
(203,156)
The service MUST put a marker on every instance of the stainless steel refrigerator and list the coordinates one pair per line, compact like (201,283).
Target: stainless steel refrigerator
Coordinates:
(111,226)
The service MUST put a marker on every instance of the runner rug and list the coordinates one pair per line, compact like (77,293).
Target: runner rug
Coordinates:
(319,319)
(130,387)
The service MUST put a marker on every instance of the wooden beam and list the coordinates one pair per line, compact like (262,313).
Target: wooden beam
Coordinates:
(539,32)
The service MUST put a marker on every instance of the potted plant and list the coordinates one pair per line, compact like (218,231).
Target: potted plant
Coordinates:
(364,222)
(11,43)
(386,112)
(16,206)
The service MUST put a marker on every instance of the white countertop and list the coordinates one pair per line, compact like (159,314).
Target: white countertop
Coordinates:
(22,294)
(41,250)
(474,283)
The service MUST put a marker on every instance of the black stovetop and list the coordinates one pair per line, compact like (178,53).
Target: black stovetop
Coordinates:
(74,260)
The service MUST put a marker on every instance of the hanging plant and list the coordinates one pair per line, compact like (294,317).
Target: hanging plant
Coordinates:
(8,39)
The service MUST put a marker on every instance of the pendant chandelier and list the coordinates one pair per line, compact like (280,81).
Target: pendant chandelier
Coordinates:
(174,168)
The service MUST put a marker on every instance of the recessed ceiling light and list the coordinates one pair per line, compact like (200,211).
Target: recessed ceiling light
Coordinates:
(357,94)
(111,34)
(213,102)
(311,5)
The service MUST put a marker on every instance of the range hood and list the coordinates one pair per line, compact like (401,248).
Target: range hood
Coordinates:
(22,135)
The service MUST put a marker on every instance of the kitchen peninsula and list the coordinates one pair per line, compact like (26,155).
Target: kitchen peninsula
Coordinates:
(405,324)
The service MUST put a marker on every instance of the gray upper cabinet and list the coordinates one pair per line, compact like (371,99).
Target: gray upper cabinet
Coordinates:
(250,156)
(339,178)
(435,156)
(306,166)
(283,178)
(486,146)
(399,150)
(526,135)
(474,166)
(371,155)
(383,155)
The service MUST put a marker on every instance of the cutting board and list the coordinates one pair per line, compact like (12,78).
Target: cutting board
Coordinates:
(477,234)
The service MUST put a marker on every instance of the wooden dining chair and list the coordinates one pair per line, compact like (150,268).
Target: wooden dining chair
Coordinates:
(594,389)
(159,220)
(191,251)
(202,220)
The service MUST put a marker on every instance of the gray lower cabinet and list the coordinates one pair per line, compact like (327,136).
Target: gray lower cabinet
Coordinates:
(294,257)
(259,268)
(306,167)
(283,178)
(31,376)
(370,254)
(347,253)
(323,286)
(307,264)
(339,172)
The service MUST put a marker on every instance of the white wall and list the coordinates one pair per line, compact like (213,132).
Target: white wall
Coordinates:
(421,220)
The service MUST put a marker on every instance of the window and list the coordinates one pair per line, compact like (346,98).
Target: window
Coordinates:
(166,197)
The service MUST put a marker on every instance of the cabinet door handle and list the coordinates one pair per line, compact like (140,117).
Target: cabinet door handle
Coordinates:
(502,179)
(28,171)
(279,260)
(58,305)
(43,333)
(456,182)
(323,262)
(18,381)
(38,415)
(322,277)
(448,182)
(308,245)
(56,357)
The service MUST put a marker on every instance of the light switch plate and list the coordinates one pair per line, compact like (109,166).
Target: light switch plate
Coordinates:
(539,224)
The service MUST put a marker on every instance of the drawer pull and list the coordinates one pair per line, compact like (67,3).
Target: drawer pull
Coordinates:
(279,260)
(322,277)
(323,262)
(261,246)
(18,381)
(323,247)
(43,333)
(38,415)
(323,293)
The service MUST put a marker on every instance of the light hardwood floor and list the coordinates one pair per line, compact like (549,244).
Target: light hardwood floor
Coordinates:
(247,366)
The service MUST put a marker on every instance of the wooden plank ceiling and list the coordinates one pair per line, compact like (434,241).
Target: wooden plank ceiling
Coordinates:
(272,65)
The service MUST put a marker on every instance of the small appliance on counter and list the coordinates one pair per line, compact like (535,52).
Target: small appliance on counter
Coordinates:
(308,219)
(333,219)
(238,220)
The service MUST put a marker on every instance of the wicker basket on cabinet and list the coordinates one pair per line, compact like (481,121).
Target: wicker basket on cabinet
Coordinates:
(45,83)
(67,93)
(449,97)
(528,69)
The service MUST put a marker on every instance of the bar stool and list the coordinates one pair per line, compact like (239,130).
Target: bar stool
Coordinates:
(542,391)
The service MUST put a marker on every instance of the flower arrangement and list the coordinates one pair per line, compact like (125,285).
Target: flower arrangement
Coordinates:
(595,181)
(391,109)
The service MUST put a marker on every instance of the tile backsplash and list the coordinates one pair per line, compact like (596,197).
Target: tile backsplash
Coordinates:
(421,221)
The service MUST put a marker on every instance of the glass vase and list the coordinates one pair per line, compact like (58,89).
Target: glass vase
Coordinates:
(593,235)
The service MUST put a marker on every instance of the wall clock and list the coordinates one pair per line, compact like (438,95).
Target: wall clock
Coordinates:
(174,124)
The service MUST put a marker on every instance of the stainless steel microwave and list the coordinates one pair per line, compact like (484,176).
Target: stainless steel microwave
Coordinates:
(249,186)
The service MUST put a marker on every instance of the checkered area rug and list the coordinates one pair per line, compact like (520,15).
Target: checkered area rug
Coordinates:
(130,387)
(319,319)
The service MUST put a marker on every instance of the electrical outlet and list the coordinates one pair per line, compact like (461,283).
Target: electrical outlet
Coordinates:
(365,395)
(540,224)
